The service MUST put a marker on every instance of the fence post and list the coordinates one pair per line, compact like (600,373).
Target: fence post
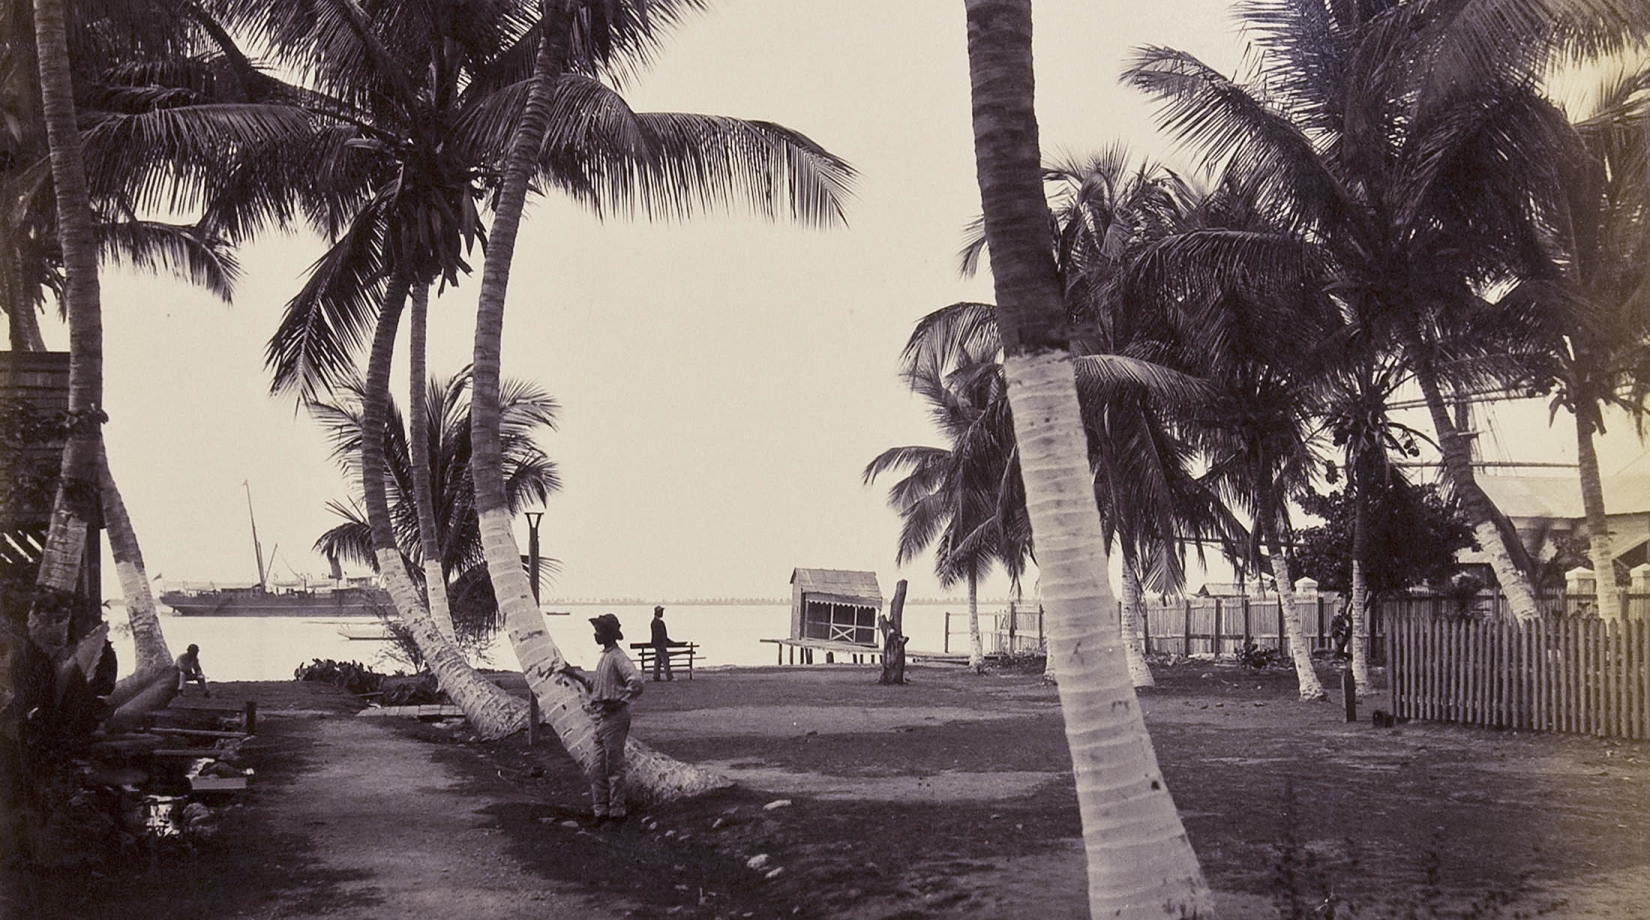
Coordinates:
(945,644)
(1214,642)
(1247,640)
(1187,648)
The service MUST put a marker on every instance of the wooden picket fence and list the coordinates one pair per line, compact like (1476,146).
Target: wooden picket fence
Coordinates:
(1221,626)
(1562,673)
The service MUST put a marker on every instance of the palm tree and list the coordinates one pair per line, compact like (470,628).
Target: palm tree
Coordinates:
(682,164)
(144,114)
(1107,210)
(1357,419)
(53,622)
(964,495)
(1403,152)
(442,425)
(1601,357)
(1144,866)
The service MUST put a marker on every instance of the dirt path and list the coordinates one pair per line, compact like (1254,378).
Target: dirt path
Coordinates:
(388,823)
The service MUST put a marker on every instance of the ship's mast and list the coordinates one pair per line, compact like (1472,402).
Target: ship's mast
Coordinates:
(257,548)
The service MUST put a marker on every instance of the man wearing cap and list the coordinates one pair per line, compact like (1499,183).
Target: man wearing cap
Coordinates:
(614,684)
(661,644)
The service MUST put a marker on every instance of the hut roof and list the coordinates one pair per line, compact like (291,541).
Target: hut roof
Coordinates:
(853,587)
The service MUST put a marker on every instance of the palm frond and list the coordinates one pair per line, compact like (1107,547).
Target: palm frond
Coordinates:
(173,248)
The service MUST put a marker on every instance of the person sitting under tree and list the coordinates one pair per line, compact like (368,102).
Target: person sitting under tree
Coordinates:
(189,670)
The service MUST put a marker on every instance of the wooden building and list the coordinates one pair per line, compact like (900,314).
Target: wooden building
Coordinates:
(34,395)
(835,605)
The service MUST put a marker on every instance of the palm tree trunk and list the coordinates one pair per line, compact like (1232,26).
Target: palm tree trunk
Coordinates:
(148,641)
(75,508)
(1140,863)
(492,712)
(1300,652)
(1130,615)
(653,777)
(976,648)
(1493,540)
(23,322)
(418,444)
(1360,596)
(1598,524)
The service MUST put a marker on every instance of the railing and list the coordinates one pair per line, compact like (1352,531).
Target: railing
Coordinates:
(1217,626)
(1017,630)
(1220,626)
(1562,673)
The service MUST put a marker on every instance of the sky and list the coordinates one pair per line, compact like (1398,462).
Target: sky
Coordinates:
(723,383)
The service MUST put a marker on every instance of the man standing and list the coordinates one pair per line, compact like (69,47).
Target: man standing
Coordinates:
(189,669)
(615,683)
(661,644)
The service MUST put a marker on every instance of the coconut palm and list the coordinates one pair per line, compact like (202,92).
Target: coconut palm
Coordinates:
(678,165)
(1357,419)
(53,622)
(1601,357)
(957,498)
(443,427)
(1404,152)
(1142,866)
(1107,210)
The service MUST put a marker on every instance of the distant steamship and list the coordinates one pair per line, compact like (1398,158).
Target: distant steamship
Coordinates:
(352,597)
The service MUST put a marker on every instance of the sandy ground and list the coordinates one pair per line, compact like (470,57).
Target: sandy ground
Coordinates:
(948,797)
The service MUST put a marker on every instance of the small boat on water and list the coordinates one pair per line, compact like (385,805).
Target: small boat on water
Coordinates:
(339,597)
(371,632)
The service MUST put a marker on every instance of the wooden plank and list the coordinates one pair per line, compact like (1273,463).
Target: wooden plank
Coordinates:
(196,733)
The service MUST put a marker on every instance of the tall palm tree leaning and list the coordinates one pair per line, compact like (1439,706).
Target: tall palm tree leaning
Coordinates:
(777,169)
(1140,862)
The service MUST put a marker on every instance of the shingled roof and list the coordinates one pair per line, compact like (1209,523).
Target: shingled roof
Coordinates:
(853,587)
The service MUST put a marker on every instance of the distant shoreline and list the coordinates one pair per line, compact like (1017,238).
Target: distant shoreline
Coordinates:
(752,602)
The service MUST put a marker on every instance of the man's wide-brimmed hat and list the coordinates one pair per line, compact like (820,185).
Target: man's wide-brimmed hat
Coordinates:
(608,625)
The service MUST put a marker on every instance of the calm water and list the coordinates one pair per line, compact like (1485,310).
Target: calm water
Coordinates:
(270,648)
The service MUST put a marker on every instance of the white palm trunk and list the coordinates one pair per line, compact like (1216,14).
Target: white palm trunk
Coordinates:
(1140,861)
(1598,523)
(75,505)
(976,648)
(1456,454)
(1300,651)
(491,711)
(1360,628)
(148,641)
(653,777)
(418,447)
(1130,616)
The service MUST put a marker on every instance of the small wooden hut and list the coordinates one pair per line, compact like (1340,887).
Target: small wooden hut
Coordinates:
(835,605)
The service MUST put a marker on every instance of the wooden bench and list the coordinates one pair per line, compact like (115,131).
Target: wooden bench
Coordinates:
(678,652)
